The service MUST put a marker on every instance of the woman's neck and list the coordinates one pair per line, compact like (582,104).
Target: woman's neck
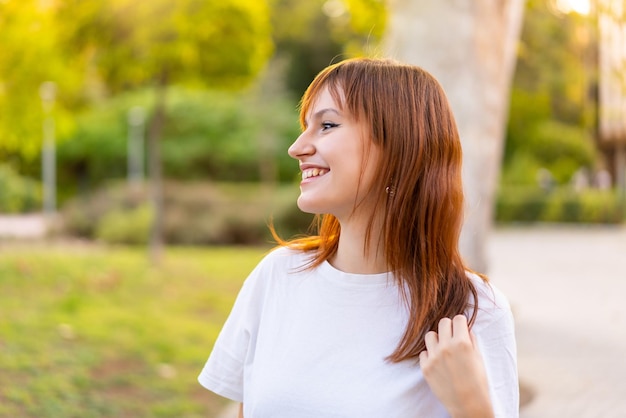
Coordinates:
(353,256)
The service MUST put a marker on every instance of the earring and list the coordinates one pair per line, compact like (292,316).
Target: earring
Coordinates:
(390,190)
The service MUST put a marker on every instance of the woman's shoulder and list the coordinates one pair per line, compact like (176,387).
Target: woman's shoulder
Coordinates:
(284,256)
(277,264)
(493,305)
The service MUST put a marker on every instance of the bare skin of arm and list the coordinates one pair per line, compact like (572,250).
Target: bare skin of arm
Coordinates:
(240,414)
(454,370)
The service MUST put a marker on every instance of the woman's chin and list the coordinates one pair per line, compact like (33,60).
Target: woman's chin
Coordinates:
(307,206)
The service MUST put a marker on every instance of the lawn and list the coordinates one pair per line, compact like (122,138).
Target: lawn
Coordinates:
(92,331)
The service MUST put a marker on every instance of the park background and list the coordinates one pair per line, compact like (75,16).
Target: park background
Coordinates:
(149,140)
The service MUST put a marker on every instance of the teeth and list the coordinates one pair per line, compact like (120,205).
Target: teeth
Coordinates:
(313,172)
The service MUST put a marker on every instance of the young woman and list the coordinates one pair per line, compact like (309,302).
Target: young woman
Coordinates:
(376,316)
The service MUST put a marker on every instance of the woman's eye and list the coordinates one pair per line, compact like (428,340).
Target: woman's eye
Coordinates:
(328,125)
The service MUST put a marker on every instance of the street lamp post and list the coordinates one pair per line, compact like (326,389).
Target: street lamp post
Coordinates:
(136,124)
(47,92)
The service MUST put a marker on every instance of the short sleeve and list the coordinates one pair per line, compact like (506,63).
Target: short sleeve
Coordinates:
(496,340)
(497,344)
(223,372)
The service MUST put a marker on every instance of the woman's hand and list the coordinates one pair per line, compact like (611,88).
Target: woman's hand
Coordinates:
(454,369)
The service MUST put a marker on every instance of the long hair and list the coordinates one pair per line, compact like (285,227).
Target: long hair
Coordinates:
(418,184)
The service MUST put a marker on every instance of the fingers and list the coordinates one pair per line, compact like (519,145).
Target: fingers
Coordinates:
(445,328)
(447,350)
(449,331)
(452,367)
(431,339)
(456,327)
(460,327)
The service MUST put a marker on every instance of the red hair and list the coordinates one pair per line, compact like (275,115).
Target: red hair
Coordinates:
(408,117)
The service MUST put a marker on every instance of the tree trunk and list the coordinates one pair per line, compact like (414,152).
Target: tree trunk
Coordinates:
(155,173)
(470,47)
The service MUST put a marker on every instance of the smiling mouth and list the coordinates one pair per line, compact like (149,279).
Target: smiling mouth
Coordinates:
(313,172)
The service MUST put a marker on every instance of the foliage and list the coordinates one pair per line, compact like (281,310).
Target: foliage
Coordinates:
(89,331)
(133,43)
(128,226)
(553,59)
(224,137)
(29,38)
(518,204)
(562,147)
(549,123)
(210,135)
(18,194)
(195,214)
(91,49)
(310,35)
(550,145)
(160,43)
(94,50)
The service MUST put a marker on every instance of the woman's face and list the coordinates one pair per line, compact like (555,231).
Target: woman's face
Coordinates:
(337,167)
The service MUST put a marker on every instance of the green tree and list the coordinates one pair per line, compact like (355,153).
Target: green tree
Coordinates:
(29,56)
(129,44)
(552,60)
(310,35)
(210,135)
(551,118)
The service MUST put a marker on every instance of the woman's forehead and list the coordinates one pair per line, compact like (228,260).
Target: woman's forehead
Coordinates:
(324,98)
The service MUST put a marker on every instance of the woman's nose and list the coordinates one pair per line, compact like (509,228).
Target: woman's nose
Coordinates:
(302,146)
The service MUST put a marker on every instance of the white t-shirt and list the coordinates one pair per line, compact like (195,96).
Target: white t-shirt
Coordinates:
(312,344)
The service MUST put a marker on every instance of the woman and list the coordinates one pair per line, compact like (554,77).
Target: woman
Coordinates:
(372,316)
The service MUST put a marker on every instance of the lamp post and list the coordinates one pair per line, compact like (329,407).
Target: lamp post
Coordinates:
(47,92)
(136,128)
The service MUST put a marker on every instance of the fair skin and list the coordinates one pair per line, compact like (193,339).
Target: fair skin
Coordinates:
(337,168)
(453,367)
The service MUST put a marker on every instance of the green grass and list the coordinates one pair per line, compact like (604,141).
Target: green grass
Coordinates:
(90,331)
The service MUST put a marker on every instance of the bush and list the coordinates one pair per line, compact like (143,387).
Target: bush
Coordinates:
(520,205)
(521,170)
(18,194)
(126,226)
(81,216)
(515,204)
(207,135)
(195,214)
(542,134)
(562,148)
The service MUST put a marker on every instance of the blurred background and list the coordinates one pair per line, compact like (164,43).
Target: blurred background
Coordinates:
(143,154)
